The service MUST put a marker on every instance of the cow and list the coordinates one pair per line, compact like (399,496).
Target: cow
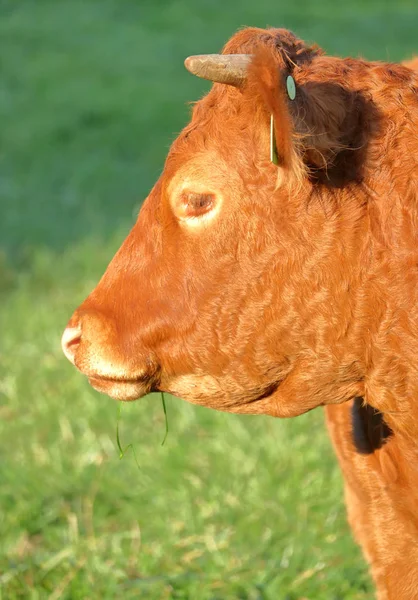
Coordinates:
(273,269)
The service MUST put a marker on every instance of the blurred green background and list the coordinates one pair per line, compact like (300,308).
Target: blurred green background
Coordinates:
(91,95)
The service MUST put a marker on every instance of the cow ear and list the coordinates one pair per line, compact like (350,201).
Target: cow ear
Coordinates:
(321,128)
(333,123)
(266,83)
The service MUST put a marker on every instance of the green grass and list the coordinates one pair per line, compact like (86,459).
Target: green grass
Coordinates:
(91,95)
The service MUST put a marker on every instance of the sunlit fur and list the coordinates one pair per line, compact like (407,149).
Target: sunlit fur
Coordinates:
(302,290)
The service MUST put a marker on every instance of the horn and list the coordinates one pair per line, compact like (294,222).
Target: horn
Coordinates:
(221,68)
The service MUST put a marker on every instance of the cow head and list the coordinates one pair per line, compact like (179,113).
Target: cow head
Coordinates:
(238,285)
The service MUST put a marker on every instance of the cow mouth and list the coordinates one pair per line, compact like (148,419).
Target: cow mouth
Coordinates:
(125,390)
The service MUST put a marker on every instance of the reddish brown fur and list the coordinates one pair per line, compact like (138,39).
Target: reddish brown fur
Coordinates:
(302,289)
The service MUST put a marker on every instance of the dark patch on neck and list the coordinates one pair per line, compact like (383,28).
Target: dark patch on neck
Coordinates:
(370,431)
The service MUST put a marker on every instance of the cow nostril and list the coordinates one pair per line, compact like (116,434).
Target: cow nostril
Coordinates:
(70,341)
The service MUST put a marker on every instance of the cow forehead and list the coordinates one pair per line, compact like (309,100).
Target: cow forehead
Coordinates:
(205,171)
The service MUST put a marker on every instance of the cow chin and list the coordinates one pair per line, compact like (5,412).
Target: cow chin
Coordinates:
(208,391)
(125,391)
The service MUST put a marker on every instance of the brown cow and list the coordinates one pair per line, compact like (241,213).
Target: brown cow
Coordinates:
(256,285)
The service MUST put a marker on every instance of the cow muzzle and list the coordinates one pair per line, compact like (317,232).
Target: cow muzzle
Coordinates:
(91,343)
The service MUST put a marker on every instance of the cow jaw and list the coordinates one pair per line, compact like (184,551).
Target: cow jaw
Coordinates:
(203,390)
(206,390)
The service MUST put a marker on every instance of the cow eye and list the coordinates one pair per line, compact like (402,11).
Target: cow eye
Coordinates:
(195,208)
(197,204)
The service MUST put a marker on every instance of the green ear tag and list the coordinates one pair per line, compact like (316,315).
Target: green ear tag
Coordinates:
(273,148)
(291,87)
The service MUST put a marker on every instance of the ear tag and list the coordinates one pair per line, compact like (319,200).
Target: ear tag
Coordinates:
(273,148)
(291,87)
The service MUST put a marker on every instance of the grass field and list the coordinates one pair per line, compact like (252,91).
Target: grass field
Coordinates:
(231,507)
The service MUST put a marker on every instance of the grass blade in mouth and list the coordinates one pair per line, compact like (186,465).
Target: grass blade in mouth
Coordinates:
(166,419)
(122,451)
